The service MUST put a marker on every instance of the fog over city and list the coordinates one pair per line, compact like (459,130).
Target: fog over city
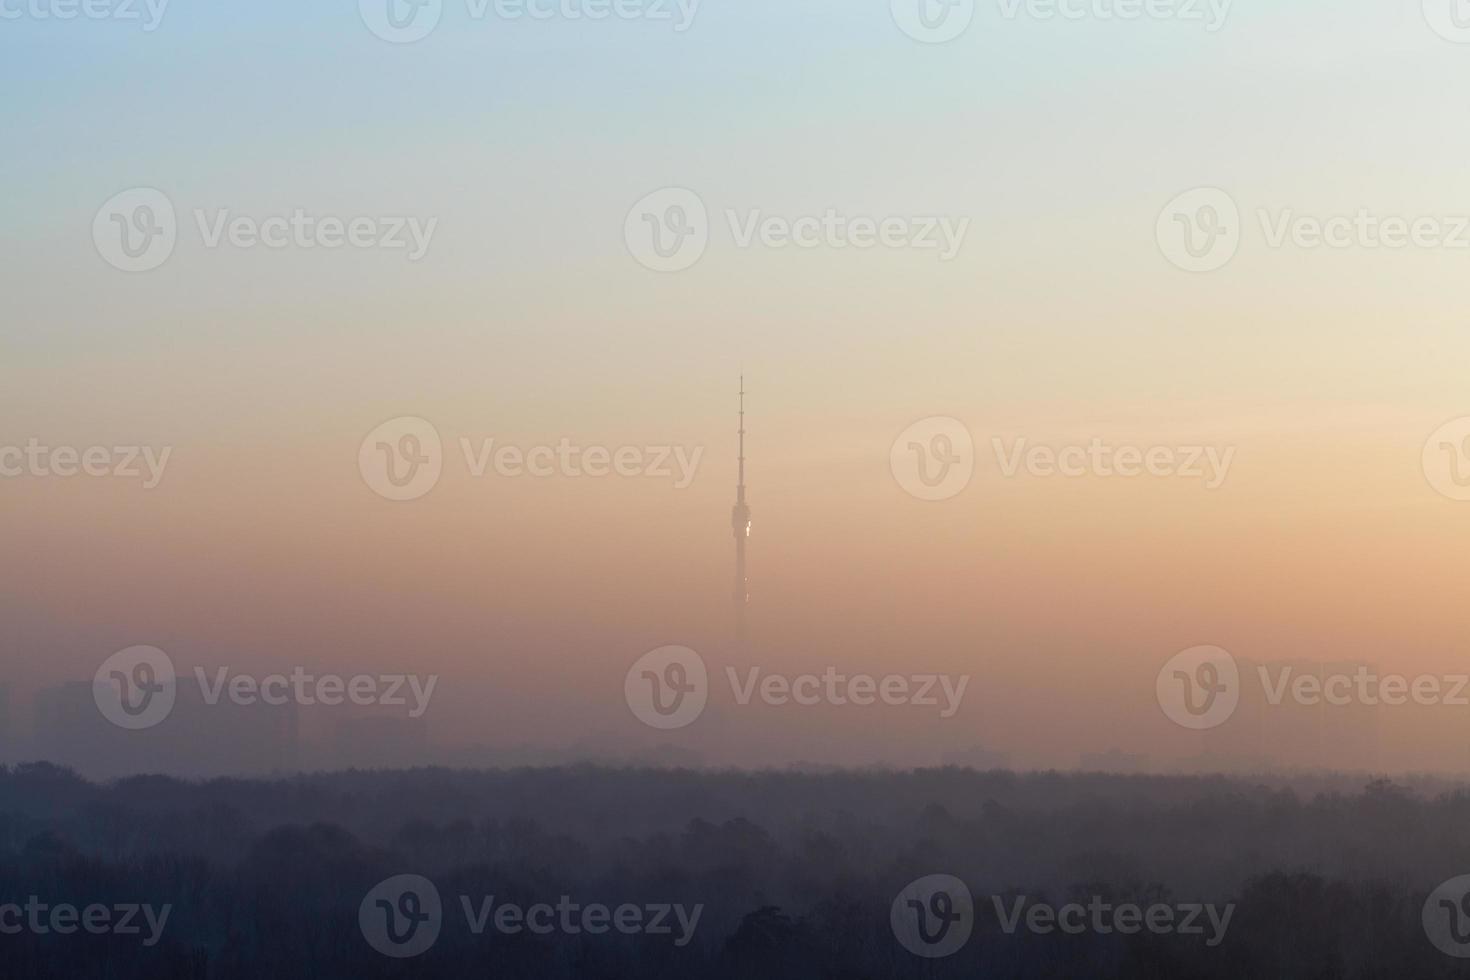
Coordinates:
(724,488)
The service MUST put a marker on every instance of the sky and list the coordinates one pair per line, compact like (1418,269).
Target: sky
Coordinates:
(532,317)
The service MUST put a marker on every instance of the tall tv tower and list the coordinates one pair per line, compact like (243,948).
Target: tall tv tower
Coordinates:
(740,522)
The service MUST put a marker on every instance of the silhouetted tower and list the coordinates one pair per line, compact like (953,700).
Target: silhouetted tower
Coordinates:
(740,521)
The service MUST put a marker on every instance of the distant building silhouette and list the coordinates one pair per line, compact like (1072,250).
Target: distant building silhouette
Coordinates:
(976,757)
(381,742)
(1114,761)
(70,731)
(229,737)
(196,739)
(7,727)
(1274,729)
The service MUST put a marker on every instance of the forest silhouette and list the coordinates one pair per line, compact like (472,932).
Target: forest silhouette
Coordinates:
(795,872)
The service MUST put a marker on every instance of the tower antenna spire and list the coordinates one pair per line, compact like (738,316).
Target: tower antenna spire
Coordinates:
(740,489)
(740,523)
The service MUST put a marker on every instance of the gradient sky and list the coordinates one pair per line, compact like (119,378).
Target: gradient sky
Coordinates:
(529,322)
